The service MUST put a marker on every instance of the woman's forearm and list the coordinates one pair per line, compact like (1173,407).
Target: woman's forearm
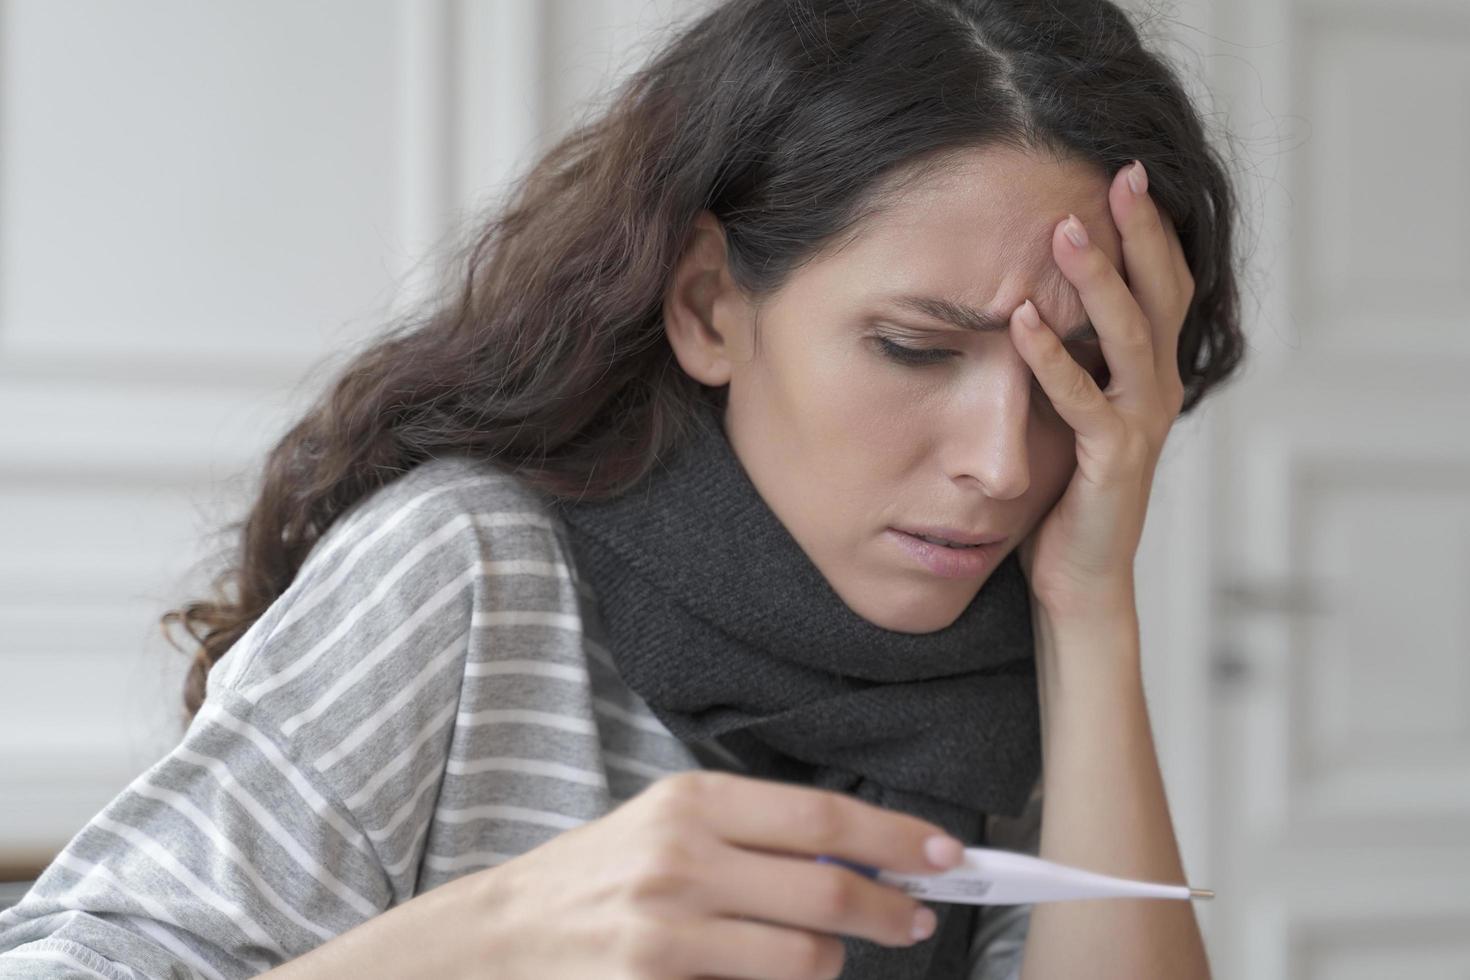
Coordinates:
(433,935)
(1104,809)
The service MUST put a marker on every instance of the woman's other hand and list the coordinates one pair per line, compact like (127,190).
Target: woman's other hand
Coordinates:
(703,874)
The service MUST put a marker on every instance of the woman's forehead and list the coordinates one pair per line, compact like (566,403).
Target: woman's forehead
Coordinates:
(997,202)
(969,250)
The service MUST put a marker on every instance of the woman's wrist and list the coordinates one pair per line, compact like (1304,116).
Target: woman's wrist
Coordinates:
(1081,660)
(426,936)
(1106,613)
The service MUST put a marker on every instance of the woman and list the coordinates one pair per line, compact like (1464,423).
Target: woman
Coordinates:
(796,420)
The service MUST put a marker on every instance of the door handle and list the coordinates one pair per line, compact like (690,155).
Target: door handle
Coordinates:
(1282,597)
(1228,668)
(1291,597)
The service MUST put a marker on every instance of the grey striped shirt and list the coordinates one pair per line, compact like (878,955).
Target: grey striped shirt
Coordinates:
(431,696)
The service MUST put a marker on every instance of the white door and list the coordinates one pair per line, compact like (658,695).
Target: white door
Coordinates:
(1341,811)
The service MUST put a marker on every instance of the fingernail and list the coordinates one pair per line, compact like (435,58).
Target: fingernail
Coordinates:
(1137,178)
(1030,319)
(943,851)
(924,921)
(1075,231)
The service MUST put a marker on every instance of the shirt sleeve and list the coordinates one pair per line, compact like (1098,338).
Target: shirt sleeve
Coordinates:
(226,858)
(1000,938)
(274,826)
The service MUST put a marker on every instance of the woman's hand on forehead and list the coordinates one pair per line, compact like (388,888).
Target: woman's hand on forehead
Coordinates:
(1086,545)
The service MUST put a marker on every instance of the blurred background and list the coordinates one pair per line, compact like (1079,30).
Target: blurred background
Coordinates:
(205,207)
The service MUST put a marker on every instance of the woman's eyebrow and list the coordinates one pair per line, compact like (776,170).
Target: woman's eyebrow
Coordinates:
(969,318)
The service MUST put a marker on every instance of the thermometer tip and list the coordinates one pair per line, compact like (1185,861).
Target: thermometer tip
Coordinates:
(1201,893)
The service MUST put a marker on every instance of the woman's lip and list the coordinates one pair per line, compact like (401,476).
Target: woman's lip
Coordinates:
(952,534)
(948,562)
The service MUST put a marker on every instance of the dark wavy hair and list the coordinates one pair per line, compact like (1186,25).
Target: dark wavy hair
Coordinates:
(790,120)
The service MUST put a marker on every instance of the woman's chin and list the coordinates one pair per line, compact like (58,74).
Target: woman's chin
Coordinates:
(923,608)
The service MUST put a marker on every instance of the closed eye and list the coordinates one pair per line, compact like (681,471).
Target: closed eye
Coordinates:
(914,355)
(920,356)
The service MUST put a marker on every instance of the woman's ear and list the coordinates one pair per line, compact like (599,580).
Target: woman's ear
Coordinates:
(708,321)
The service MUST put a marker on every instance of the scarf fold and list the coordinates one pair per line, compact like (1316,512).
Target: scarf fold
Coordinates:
(721,623)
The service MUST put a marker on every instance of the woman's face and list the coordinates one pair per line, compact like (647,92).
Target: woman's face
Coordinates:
(845,440)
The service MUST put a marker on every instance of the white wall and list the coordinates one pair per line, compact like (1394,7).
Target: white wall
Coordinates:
(199,204)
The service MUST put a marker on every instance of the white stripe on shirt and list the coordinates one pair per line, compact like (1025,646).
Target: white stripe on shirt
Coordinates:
(434,727)
(273,827)
(60,956)
(286,768)
(91,873)
(222,843)
(333,543)
(210,898)
(421,551)
(374,721)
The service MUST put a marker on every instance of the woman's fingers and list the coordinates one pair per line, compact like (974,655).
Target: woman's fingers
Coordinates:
(798,891)
(1153,257)
(801,819)
(731,949)
(1125,332)
(768,835)
(1073,393)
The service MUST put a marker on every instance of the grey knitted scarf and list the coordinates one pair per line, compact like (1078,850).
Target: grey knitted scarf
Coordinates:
(718,619)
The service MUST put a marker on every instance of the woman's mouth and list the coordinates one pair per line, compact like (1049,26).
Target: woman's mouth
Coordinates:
(947,560)
(942,541)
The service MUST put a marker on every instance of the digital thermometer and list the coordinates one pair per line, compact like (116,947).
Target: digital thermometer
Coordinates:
(990,876)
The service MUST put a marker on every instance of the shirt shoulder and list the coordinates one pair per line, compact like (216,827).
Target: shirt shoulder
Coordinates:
(459,498)
(410,547)
(375,630)
(373,664)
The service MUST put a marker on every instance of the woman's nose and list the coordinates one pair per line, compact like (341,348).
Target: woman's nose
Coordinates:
(988,439)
